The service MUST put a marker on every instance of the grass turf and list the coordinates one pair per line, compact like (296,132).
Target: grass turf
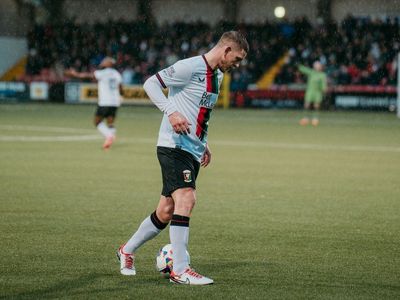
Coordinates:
(283,212)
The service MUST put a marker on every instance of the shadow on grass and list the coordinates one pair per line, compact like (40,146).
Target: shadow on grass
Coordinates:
(64,288)
(89,285)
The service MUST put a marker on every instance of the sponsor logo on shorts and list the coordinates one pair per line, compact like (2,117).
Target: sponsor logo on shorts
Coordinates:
(187,176)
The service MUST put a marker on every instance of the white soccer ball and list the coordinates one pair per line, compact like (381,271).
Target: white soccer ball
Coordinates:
(164,259)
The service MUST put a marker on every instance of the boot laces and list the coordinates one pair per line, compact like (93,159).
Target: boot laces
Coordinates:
(191,272)
(128,261)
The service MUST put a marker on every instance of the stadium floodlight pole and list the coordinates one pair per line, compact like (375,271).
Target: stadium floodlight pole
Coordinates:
(398,85)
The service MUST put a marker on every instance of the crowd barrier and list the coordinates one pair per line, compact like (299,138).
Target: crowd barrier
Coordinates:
(76,92)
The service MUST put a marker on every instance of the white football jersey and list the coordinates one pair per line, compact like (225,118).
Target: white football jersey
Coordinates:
(194,88)
(109,80)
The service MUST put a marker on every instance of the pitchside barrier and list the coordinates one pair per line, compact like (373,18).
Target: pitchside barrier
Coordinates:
(76,92)
(279,96)
(343,97)
(13,91)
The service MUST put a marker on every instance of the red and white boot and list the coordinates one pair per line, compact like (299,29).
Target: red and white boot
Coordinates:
(127,262)
(190,277)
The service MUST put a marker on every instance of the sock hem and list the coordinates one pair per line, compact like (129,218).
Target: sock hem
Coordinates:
(157,222)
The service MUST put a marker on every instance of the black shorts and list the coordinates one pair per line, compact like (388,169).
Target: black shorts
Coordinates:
(106,111)
(179,169)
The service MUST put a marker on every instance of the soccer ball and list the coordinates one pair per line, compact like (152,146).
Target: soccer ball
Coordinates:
(164,259)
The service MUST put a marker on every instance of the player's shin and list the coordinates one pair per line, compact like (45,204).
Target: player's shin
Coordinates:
(150,228)
(104,129)
(113,130)
(179,235)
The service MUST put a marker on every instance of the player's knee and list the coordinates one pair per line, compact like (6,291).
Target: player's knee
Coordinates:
(165,213)
(188,205)
(96,122)
(186,201)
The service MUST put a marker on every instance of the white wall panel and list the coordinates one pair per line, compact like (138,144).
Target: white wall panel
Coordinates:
(11,50)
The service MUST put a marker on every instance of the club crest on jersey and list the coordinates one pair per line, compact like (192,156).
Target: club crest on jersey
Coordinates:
(169,71)
(208,100)
(187,176)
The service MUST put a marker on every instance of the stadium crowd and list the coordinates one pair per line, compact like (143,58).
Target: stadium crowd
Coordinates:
(356,51)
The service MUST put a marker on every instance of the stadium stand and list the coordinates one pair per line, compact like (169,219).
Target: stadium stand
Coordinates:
(355,51)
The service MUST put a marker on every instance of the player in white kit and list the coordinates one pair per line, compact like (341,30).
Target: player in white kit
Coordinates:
(182,148)
(109,91)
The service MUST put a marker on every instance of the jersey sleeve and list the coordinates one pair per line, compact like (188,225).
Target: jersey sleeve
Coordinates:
(178,74)
(118,77)
(98,74)
(153,88)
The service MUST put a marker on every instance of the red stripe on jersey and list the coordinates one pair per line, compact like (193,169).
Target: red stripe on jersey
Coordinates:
(205,59)
(200,121)
(161,81)
(209,76)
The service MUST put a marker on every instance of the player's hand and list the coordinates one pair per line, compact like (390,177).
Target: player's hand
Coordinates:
(206,159)
(70,72)
(179,123)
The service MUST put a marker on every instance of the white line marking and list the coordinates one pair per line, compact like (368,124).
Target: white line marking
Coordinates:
(353,148)
(63,138)
(141,140)
(361,148)
(45,129)
(69,138)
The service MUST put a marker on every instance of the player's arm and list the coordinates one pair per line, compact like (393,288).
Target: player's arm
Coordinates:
(178,121)
(121,90)
(176,75)
(206,158)
(305,70)
(80,75)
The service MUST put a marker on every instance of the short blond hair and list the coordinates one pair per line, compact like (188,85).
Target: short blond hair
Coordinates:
(235,37)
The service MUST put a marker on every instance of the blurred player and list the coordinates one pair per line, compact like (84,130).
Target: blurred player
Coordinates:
(110,91)
(316,88)
(182,148)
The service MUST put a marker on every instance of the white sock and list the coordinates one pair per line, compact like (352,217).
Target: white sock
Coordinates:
(150,227)
(113,130)
(179,236)
(104,130)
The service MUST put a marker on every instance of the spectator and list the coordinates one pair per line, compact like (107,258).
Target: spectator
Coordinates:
(355,51)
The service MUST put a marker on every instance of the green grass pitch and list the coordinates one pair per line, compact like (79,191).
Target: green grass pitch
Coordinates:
(283,211)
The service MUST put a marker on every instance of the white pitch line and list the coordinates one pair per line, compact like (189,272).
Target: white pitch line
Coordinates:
(45,129)
(68,138)
(141,140)
(353,148)
(63,138)
(361,148)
